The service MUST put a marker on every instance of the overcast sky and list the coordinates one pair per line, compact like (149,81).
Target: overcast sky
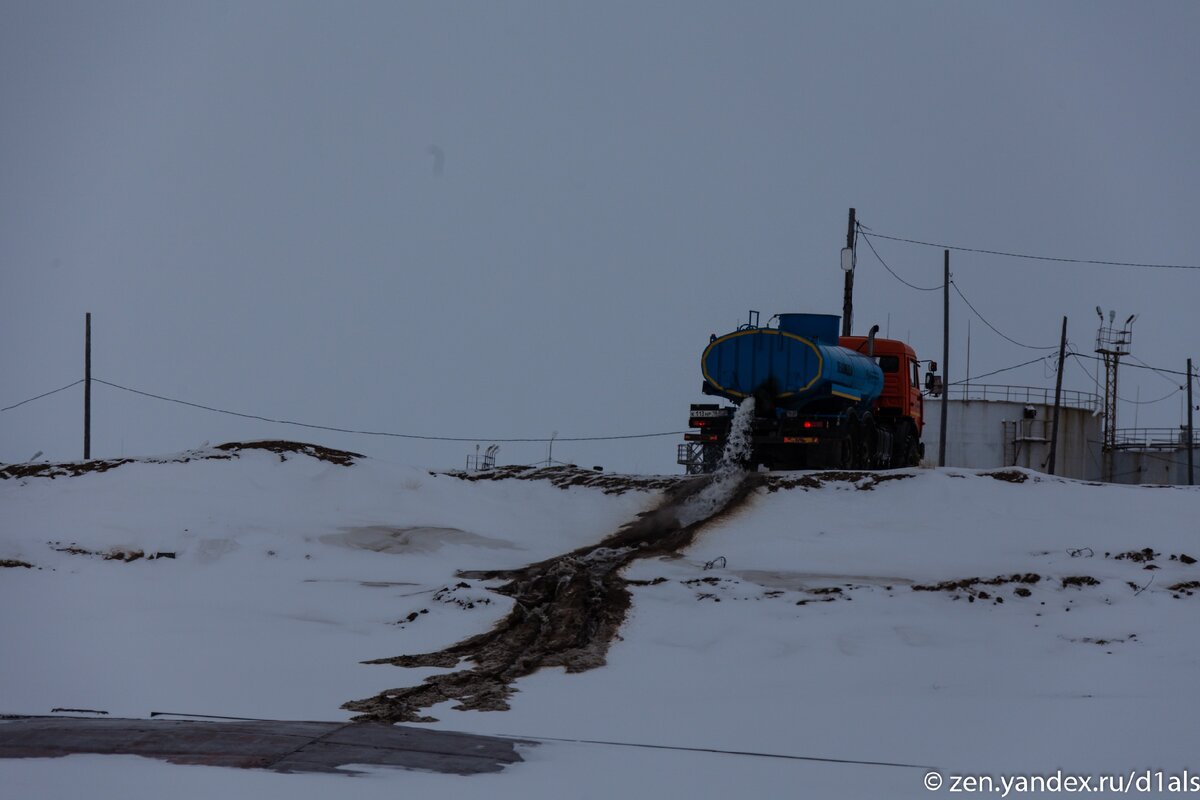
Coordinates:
(505,219)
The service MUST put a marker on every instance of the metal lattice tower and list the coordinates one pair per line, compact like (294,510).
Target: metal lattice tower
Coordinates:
(1111,344)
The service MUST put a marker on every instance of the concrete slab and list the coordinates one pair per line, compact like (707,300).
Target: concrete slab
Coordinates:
(279,745)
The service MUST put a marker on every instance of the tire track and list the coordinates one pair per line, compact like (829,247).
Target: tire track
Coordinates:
(566,610)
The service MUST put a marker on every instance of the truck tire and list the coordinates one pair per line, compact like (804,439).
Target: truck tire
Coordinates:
(852,446)
(906,451)
(869,445)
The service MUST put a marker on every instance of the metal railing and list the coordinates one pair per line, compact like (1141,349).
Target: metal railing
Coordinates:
(1022,394)
(1154,438)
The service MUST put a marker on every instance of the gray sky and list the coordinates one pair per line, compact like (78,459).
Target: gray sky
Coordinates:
(245,197)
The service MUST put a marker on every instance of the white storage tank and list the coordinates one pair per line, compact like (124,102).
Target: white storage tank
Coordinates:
(991,426)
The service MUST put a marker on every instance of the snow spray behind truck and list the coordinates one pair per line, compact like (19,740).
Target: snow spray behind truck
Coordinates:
(821,401)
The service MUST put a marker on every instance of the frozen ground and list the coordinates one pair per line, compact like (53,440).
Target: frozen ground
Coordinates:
(805,636)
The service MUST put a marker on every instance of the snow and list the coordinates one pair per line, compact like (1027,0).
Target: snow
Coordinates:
(728,475)
(289,572)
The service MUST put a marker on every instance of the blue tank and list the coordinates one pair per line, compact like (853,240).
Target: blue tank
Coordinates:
(802,357)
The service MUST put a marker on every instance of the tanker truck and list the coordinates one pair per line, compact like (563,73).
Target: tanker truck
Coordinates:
(821,401)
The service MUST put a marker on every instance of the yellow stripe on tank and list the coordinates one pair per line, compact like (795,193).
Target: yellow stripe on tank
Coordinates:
(768,332)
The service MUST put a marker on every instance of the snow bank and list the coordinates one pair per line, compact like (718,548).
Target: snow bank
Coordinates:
(804,634)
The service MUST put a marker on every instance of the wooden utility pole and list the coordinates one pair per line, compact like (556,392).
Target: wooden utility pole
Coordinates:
(87,387)
(848,295)
(945,355)
(1191,445)
(1062,349)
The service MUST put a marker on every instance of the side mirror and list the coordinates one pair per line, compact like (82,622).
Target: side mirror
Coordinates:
(933,384)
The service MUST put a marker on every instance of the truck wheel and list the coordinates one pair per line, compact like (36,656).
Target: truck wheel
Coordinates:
(845,453)
(913,452)
(852,444)
(907,450)
(869,445)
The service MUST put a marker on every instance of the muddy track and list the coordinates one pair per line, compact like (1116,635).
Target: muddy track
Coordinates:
(566,610)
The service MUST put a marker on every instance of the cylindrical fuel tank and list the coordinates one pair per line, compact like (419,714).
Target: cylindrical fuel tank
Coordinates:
(801,357)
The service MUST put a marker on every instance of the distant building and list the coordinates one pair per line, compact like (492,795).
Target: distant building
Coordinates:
(991,426)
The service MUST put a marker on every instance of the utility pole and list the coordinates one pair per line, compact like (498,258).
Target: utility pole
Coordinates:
(1111,344)
(945,355)
(1191,444)
(848,267)
(1062,349)
(87,387)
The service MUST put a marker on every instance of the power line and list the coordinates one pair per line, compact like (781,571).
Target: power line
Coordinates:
(1136,366)
(385,433)
(1150,402)
(644,745)
(867,239)
(1096,380)
(998,371)
(954,286)
(40,396)
(752,753)
(1160,373)
(1036,258)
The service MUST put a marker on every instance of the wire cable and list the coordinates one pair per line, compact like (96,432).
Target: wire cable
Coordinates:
(717,751)
(387,433)
(1096,380)
(998,371)
(1036,258)
(867,239)
(644,745)
(40,396)
(1160,373)
(1163,370)
(998,332)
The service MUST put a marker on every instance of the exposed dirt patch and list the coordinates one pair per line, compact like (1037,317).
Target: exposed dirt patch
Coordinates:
(344,458)
(1184,586)
(70,468)
(970,587)
(969,584)
(1142,556)
(566,477)
(795,581)
(566,612)
(1009,475)
(1079,581)
(224,452)
(1101,641)
(651,582)
(121,554)
(12,563)
(125,554)
(815,480)
(462,595)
